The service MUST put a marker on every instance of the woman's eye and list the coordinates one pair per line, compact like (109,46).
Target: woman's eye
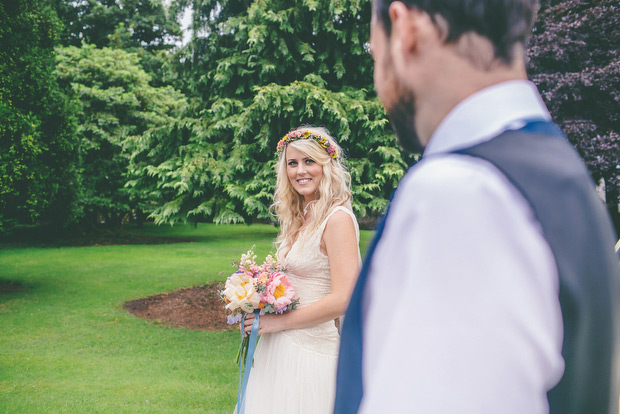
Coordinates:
(309,161)
(292,163)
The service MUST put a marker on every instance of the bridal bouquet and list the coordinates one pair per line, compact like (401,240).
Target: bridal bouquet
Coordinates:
(256,287)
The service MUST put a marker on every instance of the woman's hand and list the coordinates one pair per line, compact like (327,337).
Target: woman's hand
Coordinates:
(268,323)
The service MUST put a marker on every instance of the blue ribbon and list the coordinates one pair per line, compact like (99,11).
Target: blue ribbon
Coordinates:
(247,364)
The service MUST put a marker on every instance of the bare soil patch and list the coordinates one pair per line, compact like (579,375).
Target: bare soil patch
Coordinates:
(198,307)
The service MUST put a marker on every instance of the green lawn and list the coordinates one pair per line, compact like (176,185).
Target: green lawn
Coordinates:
(68,346)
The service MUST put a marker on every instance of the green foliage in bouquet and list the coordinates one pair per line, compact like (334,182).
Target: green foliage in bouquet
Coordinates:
(257,71)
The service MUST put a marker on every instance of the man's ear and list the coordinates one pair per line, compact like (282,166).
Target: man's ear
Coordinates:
(410,26)
(403,28)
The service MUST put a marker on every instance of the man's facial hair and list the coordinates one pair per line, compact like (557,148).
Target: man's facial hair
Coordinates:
(402,117)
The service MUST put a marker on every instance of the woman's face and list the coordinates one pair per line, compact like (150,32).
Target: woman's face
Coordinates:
(304,173)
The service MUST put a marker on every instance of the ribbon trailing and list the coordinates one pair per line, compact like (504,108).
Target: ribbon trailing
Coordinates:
(247,363)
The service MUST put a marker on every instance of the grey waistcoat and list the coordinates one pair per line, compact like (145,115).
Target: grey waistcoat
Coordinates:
(554,180)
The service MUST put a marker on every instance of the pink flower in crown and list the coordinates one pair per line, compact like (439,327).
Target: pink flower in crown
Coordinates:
(279,292)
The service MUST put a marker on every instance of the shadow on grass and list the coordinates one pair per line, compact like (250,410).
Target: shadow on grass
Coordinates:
(149,233)
(99,236)
(208,233)
(11,286)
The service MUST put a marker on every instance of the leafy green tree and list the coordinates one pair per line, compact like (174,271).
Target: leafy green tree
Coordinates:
(144,27)
(39,182)
(116,104)
(573,58)
(146,22)
(260,70)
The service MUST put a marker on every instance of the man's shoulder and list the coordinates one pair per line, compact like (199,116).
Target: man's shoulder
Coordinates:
(451,173)
(456,185)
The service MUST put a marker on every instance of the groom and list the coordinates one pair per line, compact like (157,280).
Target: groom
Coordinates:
(491,286)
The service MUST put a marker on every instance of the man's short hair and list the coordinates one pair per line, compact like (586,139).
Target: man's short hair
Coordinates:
(505,23)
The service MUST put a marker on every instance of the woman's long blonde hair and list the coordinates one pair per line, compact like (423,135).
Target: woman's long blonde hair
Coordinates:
(334,190)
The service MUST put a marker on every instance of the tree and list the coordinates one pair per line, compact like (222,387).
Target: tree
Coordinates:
(39,181)
(144,27)
(573,59)
(146,23)
(116,105)
(259,72)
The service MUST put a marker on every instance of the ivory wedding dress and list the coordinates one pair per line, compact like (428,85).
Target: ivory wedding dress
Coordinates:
(294,371)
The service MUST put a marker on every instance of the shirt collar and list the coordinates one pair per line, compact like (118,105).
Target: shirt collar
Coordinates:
(486,114)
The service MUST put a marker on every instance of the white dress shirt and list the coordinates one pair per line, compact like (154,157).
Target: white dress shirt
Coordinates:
(461,310)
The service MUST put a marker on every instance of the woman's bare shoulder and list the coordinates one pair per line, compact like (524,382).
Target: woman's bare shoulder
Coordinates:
(341,219)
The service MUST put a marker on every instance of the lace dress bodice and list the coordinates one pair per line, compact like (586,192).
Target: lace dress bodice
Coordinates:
(307,267)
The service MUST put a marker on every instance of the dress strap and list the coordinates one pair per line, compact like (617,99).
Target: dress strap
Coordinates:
(349,212)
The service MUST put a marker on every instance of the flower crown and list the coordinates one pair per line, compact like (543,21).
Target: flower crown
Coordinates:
(305,134)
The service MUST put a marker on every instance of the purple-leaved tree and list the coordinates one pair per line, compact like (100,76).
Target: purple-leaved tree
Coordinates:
(575,62)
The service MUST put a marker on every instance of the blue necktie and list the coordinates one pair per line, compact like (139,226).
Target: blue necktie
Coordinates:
(349,385)
(349,378)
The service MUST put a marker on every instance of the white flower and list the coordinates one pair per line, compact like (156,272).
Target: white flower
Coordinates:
(240,292)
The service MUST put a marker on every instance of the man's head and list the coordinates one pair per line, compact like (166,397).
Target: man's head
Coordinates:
(430,54)
(506,23)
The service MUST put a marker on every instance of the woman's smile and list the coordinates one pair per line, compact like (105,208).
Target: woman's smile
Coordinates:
(304,173)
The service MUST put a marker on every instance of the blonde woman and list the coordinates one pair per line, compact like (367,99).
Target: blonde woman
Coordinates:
(295,361)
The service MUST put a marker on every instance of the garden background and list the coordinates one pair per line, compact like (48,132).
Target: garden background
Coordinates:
(115,119)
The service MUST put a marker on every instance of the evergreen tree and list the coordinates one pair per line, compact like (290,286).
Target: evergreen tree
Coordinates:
(259,72)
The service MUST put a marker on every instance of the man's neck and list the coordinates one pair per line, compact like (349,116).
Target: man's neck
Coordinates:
(486,114)
(458,80)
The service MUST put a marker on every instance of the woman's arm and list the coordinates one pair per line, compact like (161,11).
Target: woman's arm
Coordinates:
(342,250)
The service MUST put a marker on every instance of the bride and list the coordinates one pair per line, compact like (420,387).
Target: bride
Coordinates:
(295,361)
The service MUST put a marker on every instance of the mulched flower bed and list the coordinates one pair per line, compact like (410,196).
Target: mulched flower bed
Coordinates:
(198,307)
